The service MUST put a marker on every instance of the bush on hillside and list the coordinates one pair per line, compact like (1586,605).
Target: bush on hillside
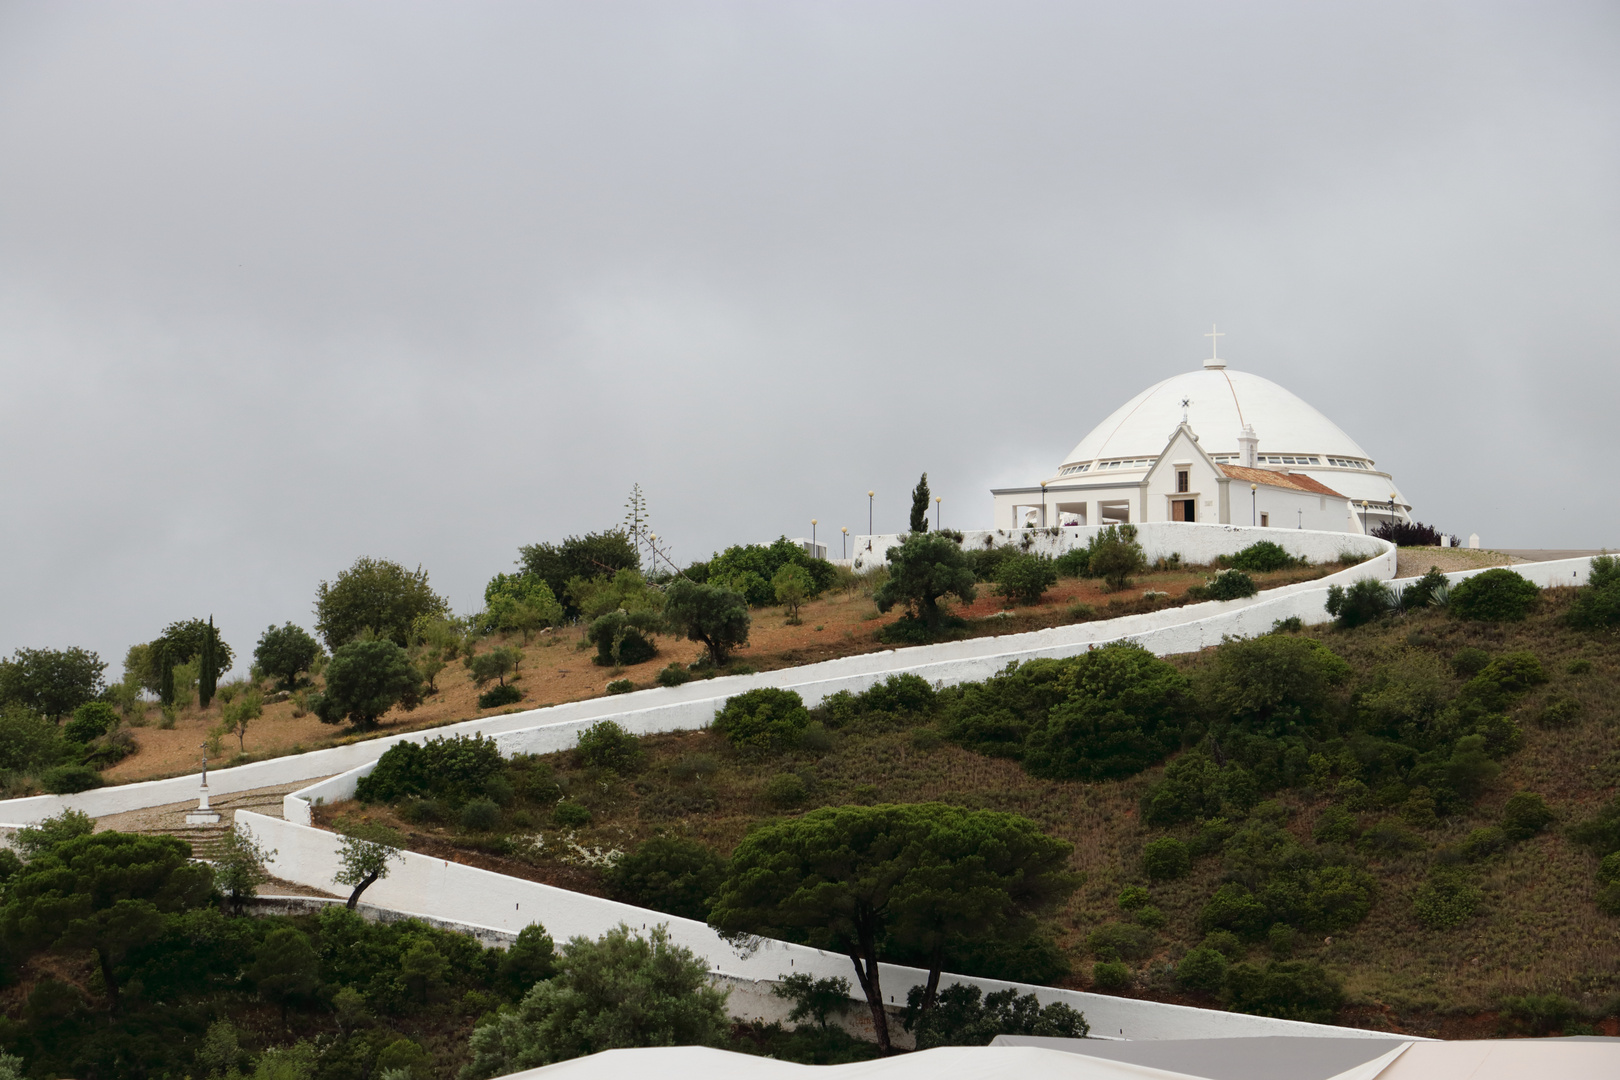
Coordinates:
(1410,534)
(67,779)
(90,721)
(1226,585)
(1433,589)
(763,719)
(923,571)
(1525,815)
(963,1015)
(452,769)
(1166,859)
(606,745)
(669,874)
(1074,563)
(675,674)
(1114,555)
(1365,601)
(1024,579)
(1261,557)
(622,638)
(496,696)
(1287,989)
(1202,971)
(1497,595)
(1123,713)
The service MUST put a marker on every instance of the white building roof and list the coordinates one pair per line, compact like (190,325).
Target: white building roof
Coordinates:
(1222,403)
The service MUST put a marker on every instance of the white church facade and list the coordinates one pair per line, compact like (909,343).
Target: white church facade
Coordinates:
(1213,445)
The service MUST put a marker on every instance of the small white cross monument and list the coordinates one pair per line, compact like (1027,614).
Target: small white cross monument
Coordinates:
(203,815)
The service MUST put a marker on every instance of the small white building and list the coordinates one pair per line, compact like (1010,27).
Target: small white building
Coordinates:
(1212,445)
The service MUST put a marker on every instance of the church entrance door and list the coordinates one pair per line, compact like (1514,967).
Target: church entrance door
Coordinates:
(1182,509)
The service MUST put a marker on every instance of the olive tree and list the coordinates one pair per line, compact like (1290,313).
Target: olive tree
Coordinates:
(375,595)
(286,651)
(712,614)
(364,680)
(365,859)
(52,682)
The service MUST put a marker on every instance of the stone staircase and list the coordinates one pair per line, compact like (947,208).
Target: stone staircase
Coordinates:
(205,840)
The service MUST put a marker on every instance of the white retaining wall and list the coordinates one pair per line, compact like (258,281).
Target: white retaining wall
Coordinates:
(1197,543)
(453,892)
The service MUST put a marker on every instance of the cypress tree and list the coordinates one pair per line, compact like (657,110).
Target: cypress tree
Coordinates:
(208,666)
(165,674)
(919,506)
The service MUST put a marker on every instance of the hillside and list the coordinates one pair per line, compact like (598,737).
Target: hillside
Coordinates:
(556,668)
(1535,929)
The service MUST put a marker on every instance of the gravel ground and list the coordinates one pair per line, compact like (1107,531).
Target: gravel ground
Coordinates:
(1415,562)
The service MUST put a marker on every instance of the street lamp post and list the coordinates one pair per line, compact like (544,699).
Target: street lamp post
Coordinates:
(813,554)
(1254,504)
(937,499)
(869,495)
(1043,504)
(1364,517)
(846,541)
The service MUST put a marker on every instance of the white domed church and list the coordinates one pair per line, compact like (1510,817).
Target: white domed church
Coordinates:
(1213,445)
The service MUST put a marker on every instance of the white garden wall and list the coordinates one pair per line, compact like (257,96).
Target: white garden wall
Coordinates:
(453,892)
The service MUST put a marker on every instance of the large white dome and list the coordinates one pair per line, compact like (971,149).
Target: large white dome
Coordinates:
(1221,403)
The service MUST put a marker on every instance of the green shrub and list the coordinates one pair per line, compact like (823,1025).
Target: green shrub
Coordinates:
(763,719)
(1110,975)
(1336,825)
(1236,909)
(1469,661)
(1560,711)
(1595,607)
(620,686)
(570,815)
(1150,916)
(1281,939)
(496,696)
(1122,712)
(1262,557)
(1538,1014)
(674,675)
(1497,595)
(1578,666)
(786,789)
(923,571)
(480,815)
(1427,591)
(1132,897)
(419,811)
(1115,941)
(1288,989)
(1525,814)
(1074,563)
(1608,899)
(1446,900)
(1227,585)
(1115,555)
(960,1018)
(694,766)
(67,779)
(1166,859)
(621,638)
(668,874)
(90,721)
(606,745)
(1024,579)
(1482,843)
(1226,943)
(453,769)
(1202,971)
(1365,601)
(986,561)
(1601,831)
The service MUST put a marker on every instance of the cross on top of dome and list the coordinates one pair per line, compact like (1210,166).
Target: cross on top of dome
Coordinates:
(1214,336)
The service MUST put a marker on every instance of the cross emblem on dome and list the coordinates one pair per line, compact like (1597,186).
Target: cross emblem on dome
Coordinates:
(1214,340)
(1186,402)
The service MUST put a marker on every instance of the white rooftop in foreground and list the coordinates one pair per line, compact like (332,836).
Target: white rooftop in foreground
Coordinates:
(1165,1059)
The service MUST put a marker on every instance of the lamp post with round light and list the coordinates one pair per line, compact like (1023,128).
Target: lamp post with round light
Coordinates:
(1043,504)
(869,495)
(937,500)
(813,554)
(845,531)
(1364,517)
(1254,504)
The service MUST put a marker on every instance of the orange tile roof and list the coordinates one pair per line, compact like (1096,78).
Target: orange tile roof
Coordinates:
(1296,481)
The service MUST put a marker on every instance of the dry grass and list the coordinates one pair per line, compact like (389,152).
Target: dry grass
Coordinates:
(1539,931)
(556,670)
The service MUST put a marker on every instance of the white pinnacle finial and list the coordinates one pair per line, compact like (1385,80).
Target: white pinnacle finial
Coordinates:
(1214,336)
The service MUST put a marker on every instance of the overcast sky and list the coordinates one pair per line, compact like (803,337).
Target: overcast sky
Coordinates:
(285,284)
